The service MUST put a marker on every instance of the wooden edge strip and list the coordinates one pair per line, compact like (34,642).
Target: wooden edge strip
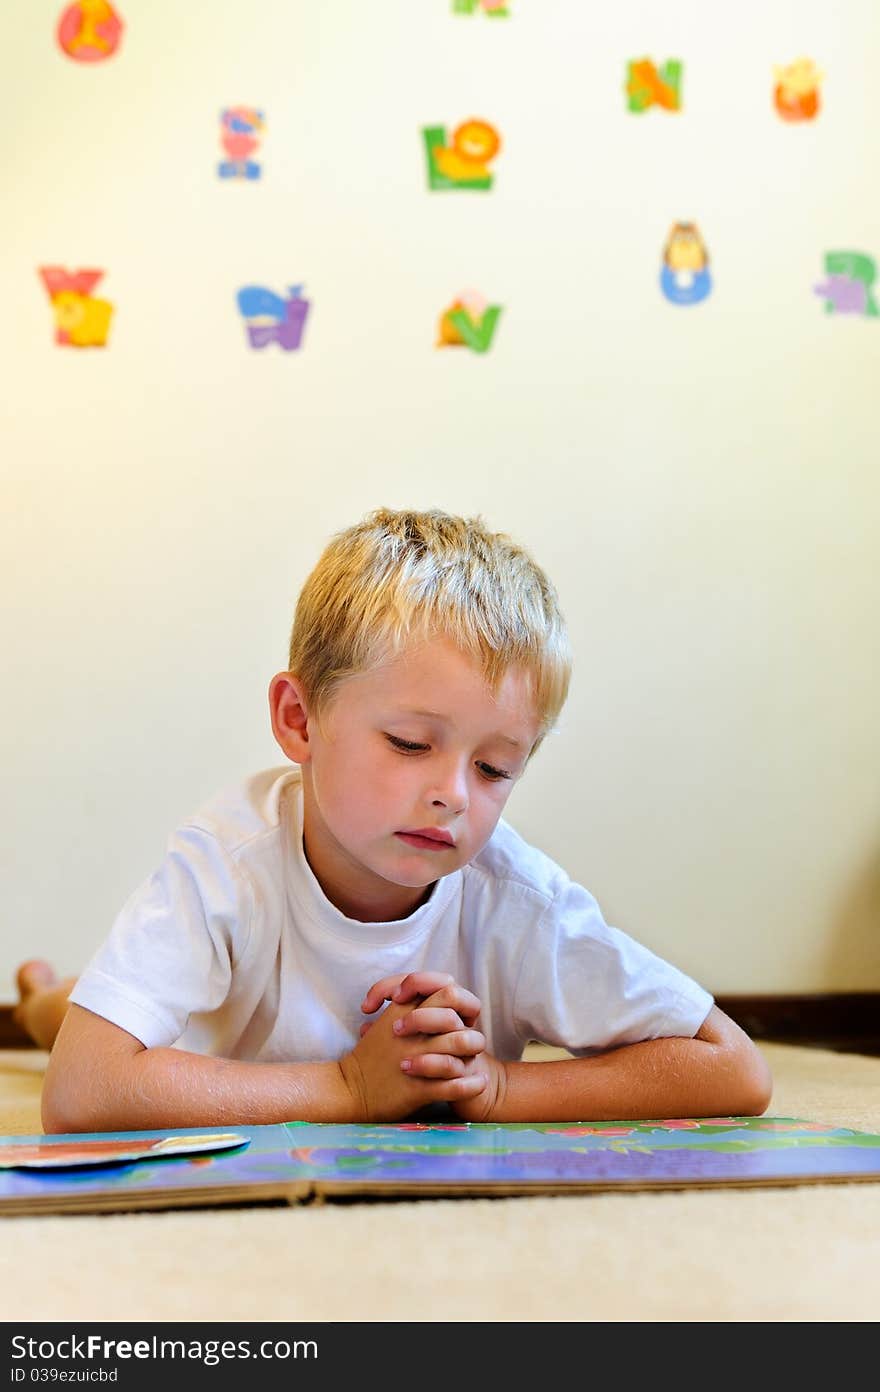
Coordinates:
(844,1020)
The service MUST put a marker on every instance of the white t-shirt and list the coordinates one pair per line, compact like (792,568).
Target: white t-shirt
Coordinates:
(231,948)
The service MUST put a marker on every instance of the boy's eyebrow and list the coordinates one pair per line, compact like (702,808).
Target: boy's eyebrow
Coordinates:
(444,720)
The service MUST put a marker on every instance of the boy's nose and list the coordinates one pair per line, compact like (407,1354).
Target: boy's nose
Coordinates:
(451,792)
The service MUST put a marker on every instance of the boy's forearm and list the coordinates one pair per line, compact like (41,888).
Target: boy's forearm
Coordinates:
(168,1087)
(657,1078)
(220,1090)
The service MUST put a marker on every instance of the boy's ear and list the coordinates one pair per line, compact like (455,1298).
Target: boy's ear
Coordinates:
(290,716)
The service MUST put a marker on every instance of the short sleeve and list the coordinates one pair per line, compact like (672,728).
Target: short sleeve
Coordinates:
(586,987)
(170,951)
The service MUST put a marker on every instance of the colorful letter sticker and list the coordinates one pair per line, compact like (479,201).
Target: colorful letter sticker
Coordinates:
(796,94)
(272,319)
(685,277)
(463,162)
(241,130)
(81,320)
(846,288)
(89,31)
(469,322)
(494,9)
(647,85)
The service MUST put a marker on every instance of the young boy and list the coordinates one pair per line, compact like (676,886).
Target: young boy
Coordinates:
(241,982)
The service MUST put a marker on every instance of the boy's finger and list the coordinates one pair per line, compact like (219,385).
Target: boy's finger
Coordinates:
(380,991)
(411,984)
(420,983)
(463,1043)
(433,1066)
(454,1089)
(457,998)
(422,1021)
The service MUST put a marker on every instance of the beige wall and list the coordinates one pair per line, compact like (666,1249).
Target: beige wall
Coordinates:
(701,483)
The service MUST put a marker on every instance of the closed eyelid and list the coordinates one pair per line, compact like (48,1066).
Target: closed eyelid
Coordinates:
(415,747)
(445,720)
(499,773)
(404,743)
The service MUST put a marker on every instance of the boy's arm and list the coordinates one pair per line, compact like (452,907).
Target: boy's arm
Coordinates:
(101,1078)
(719,1072)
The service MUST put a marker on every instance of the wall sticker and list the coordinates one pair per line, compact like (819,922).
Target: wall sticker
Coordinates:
(647,85)
(271,318)
(462,161)
(847,287)
(796,94)
(241,130)
(684,277)
(89,31)
(469,322)
(81,319)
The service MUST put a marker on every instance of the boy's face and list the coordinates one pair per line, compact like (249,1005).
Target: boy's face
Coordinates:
(418,745)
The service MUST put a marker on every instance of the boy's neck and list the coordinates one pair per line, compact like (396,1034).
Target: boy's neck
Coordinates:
(384,908)
(354,891)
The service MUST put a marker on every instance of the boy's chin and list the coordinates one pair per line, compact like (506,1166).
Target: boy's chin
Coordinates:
(413,879)
(415,876)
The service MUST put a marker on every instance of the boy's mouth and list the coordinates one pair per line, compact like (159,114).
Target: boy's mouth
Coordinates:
(428,839)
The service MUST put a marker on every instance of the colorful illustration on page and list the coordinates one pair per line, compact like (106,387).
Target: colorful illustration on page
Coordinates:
(679,1151)
(461,162)
(846,289)
(469,322)
(271,318)
(241,130)
(493,9)
(81,319)
(647,85)
(685,278)
(89,31)
(796,94)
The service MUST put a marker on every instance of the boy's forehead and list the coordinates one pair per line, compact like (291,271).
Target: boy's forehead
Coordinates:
(439,665)
(434,679)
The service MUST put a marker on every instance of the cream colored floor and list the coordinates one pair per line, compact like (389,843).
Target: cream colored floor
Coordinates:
(809,1253)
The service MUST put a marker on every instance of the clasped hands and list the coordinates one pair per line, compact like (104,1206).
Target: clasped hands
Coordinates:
(423,1048)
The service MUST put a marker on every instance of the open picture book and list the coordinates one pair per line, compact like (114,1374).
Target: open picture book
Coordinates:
(294,1162)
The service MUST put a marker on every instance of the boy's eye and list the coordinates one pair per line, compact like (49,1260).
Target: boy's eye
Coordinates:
(411,746)
(493,773)
(405,744)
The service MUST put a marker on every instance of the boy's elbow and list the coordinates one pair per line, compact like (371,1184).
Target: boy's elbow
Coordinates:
(756,1082)
(55,1121)
(743,1075)
(54,1124)
(61,1111)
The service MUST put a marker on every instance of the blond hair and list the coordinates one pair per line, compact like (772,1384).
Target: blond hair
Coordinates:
(403,577)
